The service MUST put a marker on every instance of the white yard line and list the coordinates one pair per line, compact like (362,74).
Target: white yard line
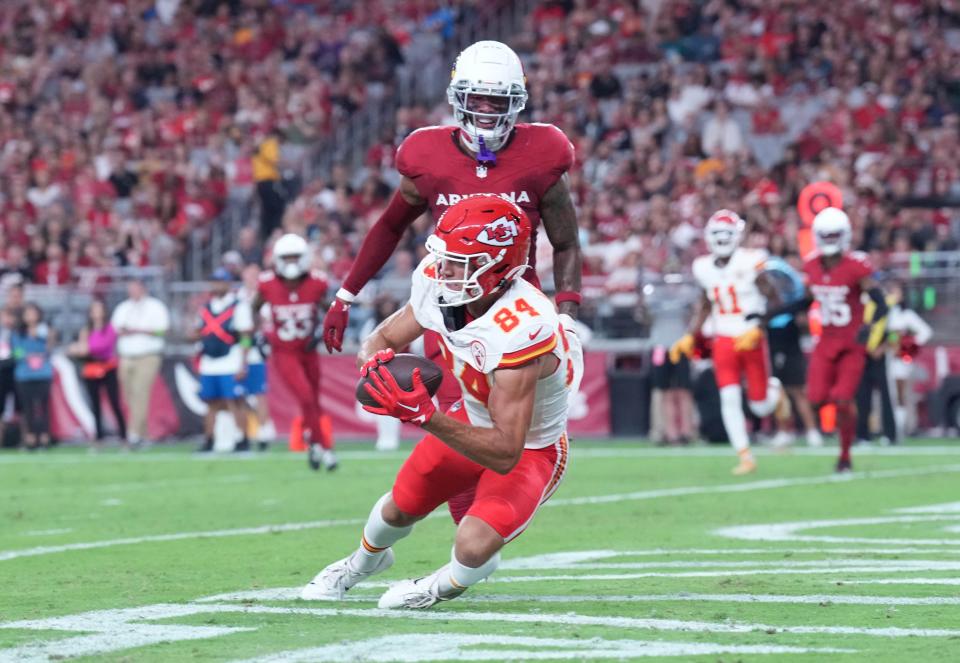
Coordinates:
(293,593)
(905,581)
(814,599)
(607,577)
(178,536)
(766,484)
(422,647)
(791,531)
(573,619)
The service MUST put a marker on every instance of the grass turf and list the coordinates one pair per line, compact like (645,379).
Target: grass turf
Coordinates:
(162,528)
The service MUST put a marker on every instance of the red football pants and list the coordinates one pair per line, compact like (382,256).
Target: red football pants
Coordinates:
(301,372)
(835,371)
(729,365)
(433,473)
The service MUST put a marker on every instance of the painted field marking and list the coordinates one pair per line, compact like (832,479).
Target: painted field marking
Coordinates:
(48,532)
(905,581)
(791,531)
(115,630)
(423,647)
(590,451)
(766,484)
(108,631)
(574,619)
(178,536)
(293,594)
(144,485)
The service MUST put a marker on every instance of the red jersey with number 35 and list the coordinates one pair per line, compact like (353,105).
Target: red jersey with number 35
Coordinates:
(294,309)
(839,294)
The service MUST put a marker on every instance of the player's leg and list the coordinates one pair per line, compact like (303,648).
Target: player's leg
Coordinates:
(864,399)
(237,405)
(313,413)
(682,389)
(849,366)
(503,508)
(209,394)
(891,430)
(763,390)
(431,475)
(727,372)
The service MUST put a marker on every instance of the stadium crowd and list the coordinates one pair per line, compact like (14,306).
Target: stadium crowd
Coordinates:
(126,124)
(118,140)
(702,105)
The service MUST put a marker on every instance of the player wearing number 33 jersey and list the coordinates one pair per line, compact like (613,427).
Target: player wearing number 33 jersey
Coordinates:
(505,442)
(295,296)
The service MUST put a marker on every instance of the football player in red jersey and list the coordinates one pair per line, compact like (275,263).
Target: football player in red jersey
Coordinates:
(836,279)
(486,152)
(295,295)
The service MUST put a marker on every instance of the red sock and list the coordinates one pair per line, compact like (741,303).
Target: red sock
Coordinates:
(847,425)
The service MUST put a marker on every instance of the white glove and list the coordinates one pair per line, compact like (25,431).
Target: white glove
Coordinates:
(575,351)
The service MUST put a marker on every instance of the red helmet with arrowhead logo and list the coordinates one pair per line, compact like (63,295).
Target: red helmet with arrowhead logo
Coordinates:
(481,245)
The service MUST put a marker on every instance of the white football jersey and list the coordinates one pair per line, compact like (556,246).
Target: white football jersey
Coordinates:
(732,289)
(520,326)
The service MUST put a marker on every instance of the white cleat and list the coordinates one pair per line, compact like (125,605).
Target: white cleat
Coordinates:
(329,460)
(417,594)
(814,438)
(333,582)
(782,440)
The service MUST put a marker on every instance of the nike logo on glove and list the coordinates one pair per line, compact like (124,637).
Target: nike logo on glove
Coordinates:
(407,407)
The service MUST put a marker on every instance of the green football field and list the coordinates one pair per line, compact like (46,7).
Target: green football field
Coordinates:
(642,554)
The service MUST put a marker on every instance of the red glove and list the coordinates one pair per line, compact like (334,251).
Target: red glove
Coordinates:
(378,360)
(334,322)
(413,406)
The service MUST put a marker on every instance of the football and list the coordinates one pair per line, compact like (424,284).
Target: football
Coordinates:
(401,368)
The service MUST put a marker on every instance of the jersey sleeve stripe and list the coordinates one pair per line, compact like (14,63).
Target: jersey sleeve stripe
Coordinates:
(526,354)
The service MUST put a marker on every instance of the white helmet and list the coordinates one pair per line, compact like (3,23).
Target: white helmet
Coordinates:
(723,233)
(291,256)
(490,70)
(831,231)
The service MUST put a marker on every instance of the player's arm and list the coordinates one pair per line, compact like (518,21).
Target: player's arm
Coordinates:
(560,223)
(792,308)
(769,292)
(685,344)
(397,331)
(404,208)
(511,410)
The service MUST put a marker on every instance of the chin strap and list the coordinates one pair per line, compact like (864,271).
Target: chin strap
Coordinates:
(485,156)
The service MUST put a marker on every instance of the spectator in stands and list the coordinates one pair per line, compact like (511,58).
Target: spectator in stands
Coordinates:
(266,174)
(141,323)
(97,350)
(249,247)
(54,270)
(721,133)
(33,373)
